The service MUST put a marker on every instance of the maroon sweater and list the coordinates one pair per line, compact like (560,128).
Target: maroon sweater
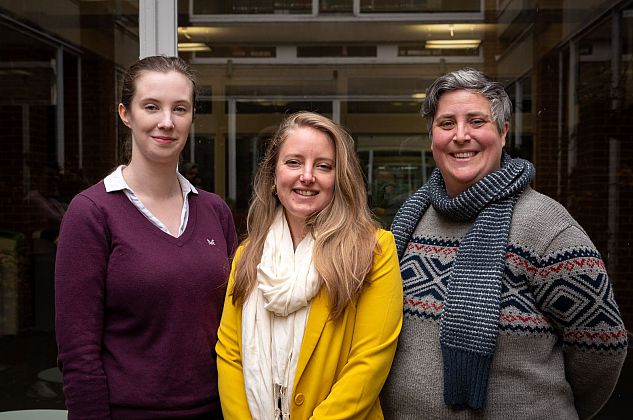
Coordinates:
(137,310)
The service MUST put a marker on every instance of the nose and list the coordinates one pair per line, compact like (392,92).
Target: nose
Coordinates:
(166,122)
(462,133)
(307,177)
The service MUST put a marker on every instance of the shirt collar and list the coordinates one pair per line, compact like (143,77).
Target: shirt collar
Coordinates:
(116,182)
(186,186)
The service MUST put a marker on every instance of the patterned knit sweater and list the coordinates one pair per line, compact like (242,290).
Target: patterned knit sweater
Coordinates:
(561,342)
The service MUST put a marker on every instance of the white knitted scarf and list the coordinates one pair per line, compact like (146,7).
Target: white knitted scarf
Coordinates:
(274,318)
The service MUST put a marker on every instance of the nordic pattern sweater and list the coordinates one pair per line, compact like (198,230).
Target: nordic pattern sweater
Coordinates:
(137,310)
(561,343)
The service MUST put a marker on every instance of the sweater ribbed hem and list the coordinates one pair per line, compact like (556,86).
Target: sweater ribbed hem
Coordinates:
(465,377)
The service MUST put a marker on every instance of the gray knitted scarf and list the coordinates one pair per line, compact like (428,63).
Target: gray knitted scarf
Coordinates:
(470,319)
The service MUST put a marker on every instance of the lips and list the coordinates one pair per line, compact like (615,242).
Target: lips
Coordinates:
(163,139)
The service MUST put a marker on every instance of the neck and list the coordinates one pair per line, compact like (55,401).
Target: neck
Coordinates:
(159,181)
(298,231)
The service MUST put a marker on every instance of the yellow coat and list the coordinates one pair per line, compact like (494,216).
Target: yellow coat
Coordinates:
(343,364)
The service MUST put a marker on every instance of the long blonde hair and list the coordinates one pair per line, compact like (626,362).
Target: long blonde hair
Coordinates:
(345,232)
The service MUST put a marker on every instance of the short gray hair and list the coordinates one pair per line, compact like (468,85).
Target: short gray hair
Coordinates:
(473,81)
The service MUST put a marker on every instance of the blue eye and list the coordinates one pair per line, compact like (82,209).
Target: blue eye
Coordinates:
(293,163)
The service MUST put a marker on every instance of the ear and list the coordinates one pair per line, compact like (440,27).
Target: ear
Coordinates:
(504,133)
(123,114)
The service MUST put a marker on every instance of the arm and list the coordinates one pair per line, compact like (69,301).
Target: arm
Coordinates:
(230,375)
(589,322)
(80,272)
(376,330)
(228,226)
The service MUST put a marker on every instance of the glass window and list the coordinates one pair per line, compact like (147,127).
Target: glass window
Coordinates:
(60,68)
(336,51)
(236,51)
(336,6)
(419,6)
(437,51)
(567,67)
(247,7)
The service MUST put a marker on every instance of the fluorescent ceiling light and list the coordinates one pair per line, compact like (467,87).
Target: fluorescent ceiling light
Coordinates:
(452,43)
(419,95)
(193,46)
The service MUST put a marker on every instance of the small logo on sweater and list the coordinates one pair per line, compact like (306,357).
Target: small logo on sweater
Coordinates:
(211,241)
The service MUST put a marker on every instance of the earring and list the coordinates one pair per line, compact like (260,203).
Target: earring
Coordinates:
(274,189)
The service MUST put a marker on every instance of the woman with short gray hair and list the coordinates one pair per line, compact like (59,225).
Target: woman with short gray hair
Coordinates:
(508,310)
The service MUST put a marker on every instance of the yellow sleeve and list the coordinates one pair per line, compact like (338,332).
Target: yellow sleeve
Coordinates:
(229,356)
(377,326)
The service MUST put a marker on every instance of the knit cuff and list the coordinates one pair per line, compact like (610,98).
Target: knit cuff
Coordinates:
(465,377)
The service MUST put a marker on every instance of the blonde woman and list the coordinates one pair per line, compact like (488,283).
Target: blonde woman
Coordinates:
(314,303)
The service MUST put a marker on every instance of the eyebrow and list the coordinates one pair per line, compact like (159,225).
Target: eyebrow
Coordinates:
(179,101)
(298,155)
(469,114)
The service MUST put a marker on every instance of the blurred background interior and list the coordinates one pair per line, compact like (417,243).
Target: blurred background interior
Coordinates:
(567,65)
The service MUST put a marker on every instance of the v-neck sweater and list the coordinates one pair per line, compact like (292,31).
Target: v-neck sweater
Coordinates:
(137,310)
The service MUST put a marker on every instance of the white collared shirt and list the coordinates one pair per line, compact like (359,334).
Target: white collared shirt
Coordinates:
(116,182)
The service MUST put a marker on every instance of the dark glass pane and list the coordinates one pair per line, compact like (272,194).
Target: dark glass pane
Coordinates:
(245,7)
(419,6)
(336,6)
(337,51)
(238,51)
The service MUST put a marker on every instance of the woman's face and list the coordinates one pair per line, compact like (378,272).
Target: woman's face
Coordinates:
(159,116)
(466,144)
(304,175)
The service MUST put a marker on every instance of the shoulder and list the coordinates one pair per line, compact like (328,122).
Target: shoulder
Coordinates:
(534,205)
(209,201)
(384,239)
(214,201)
(96,192)
(385,254)
(90,213)
(93,198)
(538,220)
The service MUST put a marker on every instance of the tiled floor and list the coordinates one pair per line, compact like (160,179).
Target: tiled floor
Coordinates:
(22,357)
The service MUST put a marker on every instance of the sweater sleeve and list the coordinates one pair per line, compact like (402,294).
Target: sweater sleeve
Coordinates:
(574,292)
(230,235)
(230,374)
(80,272)
(376,329)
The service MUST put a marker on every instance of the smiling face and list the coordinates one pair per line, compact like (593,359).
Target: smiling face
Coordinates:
(466,144)
(304,175)
(159,116)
